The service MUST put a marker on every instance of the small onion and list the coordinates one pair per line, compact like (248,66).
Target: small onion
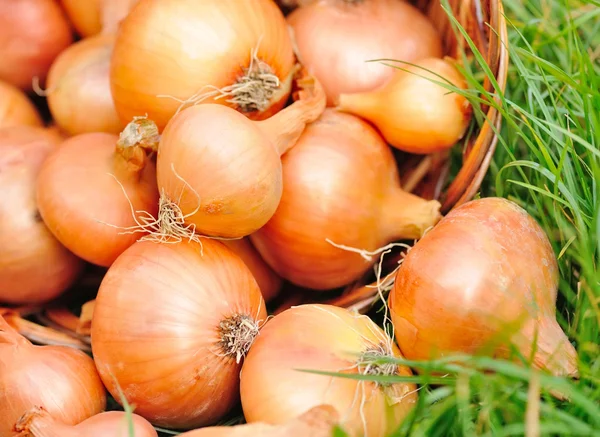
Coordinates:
(90,17)
(220,173)
(172,322)
(16,109)
(32,34)
(413,113)
(320,203)
(90,190)
(232,52)
(337,38)
(60,379)
(79,90)
(486,275)
(39,423)
(331,339)
(34,266)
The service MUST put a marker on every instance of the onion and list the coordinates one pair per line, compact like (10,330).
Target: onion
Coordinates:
(34,266)
(172,322)
(16,109)
(220,173)
(33,33)
(319,204)
(486,275)
(337,38)
(89,188)
(79,90)
(331,339)
(93,16)
(60,379)
(317,422)
(268,281)
(232,52)
(39,423)
(413,113)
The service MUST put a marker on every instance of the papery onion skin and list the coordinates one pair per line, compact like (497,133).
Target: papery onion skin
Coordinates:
(78,88)
(337,38)
(202,46)
(268,281)
(81,199)
(32,34)
(60,379)
(39,423)
(155,329)
(413,113)
(319,202)
(485,272)
(322,338)
(16,109)
(34,266)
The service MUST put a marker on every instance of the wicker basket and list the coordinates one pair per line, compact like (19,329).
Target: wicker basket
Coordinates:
(427,176)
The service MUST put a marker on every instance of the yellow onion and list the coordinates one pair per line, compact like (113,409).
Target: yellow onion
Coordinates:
(15,108)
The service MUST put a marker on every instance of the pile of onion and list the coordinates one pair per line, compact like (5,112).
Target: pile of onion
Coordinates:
(96,188)
(32,34)
(172,323)
(327,339)
(219,173)
(39,423)
(60,379)
(413,112)
(34,266)
(321,209)
(483,278)
(337,38)
(15,108)
(232,52)
(78,88)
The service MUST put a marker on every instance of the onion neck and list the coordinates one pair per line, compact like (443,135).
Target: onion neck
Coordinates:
(39,423)
(367,105)
(137,143)
(407,216)
(285,128)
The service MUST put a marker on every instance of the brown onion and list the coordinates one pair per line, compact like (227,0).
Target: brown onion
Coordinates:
(484,277)
(172,322)
(15,108)
(32,34)
(340,183)
(79,90)
(60,379)
(337,38)
(34,266)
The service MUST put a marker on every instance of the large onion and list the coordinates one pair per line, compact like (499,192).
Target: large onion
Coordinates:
(336,38)
(79,90)
(171,324)
(32,34)
(60,379)
(320,203)
(324,338)
(484,277)
(15,108)
(34,266)
(232,52)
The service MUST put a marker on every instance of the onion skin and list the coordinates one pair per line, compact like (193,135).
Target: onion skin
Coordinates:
(323,338)
(62,380)
(79,89)
(27,245)
(319,204)
(155,328)
(268,281)
(201,44)
(337,38)
(16,109)
(412,113)
(33,33)
(38,423)
(82,203)
(485,275)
